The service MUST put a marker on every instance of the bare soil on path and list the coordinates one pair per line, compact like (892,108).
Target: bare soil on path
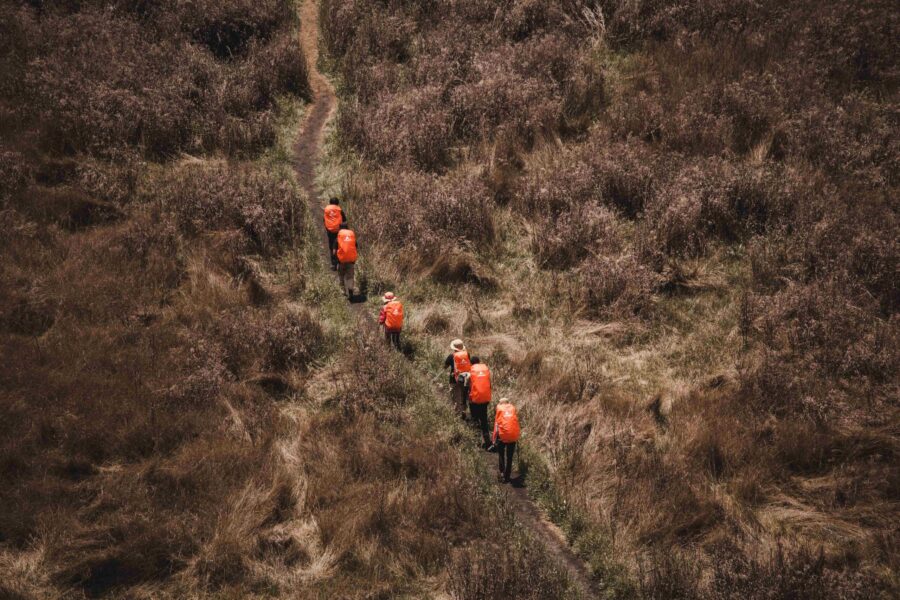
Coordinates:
(307,150)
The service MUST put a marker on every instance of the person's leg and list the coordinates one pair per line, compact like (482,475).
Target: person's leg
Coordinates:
(342,276)
(351,282)
(397,340)
(483,423)
(459,398)
(501,454)
(476,410)
(332,243)
(345,273)
(510,450)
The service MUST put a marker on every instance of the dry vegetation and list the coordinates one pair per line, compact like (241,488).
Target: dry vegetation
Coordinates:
(167,425)
(137,429)
(671,228)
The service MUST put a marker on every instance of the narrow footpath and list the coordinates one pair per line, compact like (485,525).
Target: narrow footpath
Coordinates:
(306,152)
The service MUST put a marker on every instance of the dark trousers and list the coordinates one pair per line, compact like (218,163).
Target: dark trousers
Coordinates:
(505,452)
(393,338)
(332,244)
(479,415)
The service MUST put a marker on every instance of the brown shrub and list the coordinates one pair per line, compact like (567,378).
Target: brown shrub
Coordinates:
(82,107)
(712,201)
(426,212)
(220,197)
(145,98)
(15,173)
(435,323)
(504,106)
(293,339)
(785,572)
(555,189)
(69,208)
(788,573)
(411,128)
(622,176)
(446,264)
(627,22)
(616,287)
(229,28)
(582,231)
(811,330)
(487,570)
(423,90)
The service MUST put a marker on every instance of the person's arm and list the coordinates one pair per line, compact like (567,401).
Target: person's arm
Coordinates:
(496,431)
(448,363)
(382,316)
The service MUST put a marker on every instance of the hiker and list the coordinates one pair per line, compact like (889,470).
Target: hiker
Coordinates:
(346,253)
(459,364)
(506,434)
(480,397)
(391,318)
(334,218)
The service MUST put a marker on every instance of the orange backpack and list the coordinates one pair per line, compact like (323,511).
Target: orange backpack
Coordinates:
(393,320)
(480,392)
(346,246)
(333,218)
(461,363)
(507,423)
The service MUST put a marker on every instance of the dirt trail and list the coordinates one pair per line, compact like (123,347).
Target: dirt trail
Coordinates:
(309,142)
(306,152)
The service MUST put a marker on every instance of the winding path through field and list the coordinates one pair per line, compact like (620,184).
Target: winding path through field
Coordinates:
(306,151)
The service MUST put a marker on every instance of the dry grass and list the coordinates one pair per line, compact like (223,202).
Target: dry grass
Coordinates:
(139,455)
(172,425)
(692,292)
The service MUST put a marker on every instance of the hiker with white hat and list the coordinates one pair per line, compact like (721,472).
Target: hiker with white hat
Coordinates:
(391,318)
(460,365)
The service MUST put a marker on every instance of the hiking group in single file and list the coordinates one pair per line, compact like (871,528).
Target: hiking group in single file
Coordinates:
(470,379)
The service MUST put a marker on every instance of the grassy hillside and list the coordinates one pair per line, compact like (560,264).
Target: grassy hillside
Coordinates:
(186,410)
(143,198)
(670,228)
